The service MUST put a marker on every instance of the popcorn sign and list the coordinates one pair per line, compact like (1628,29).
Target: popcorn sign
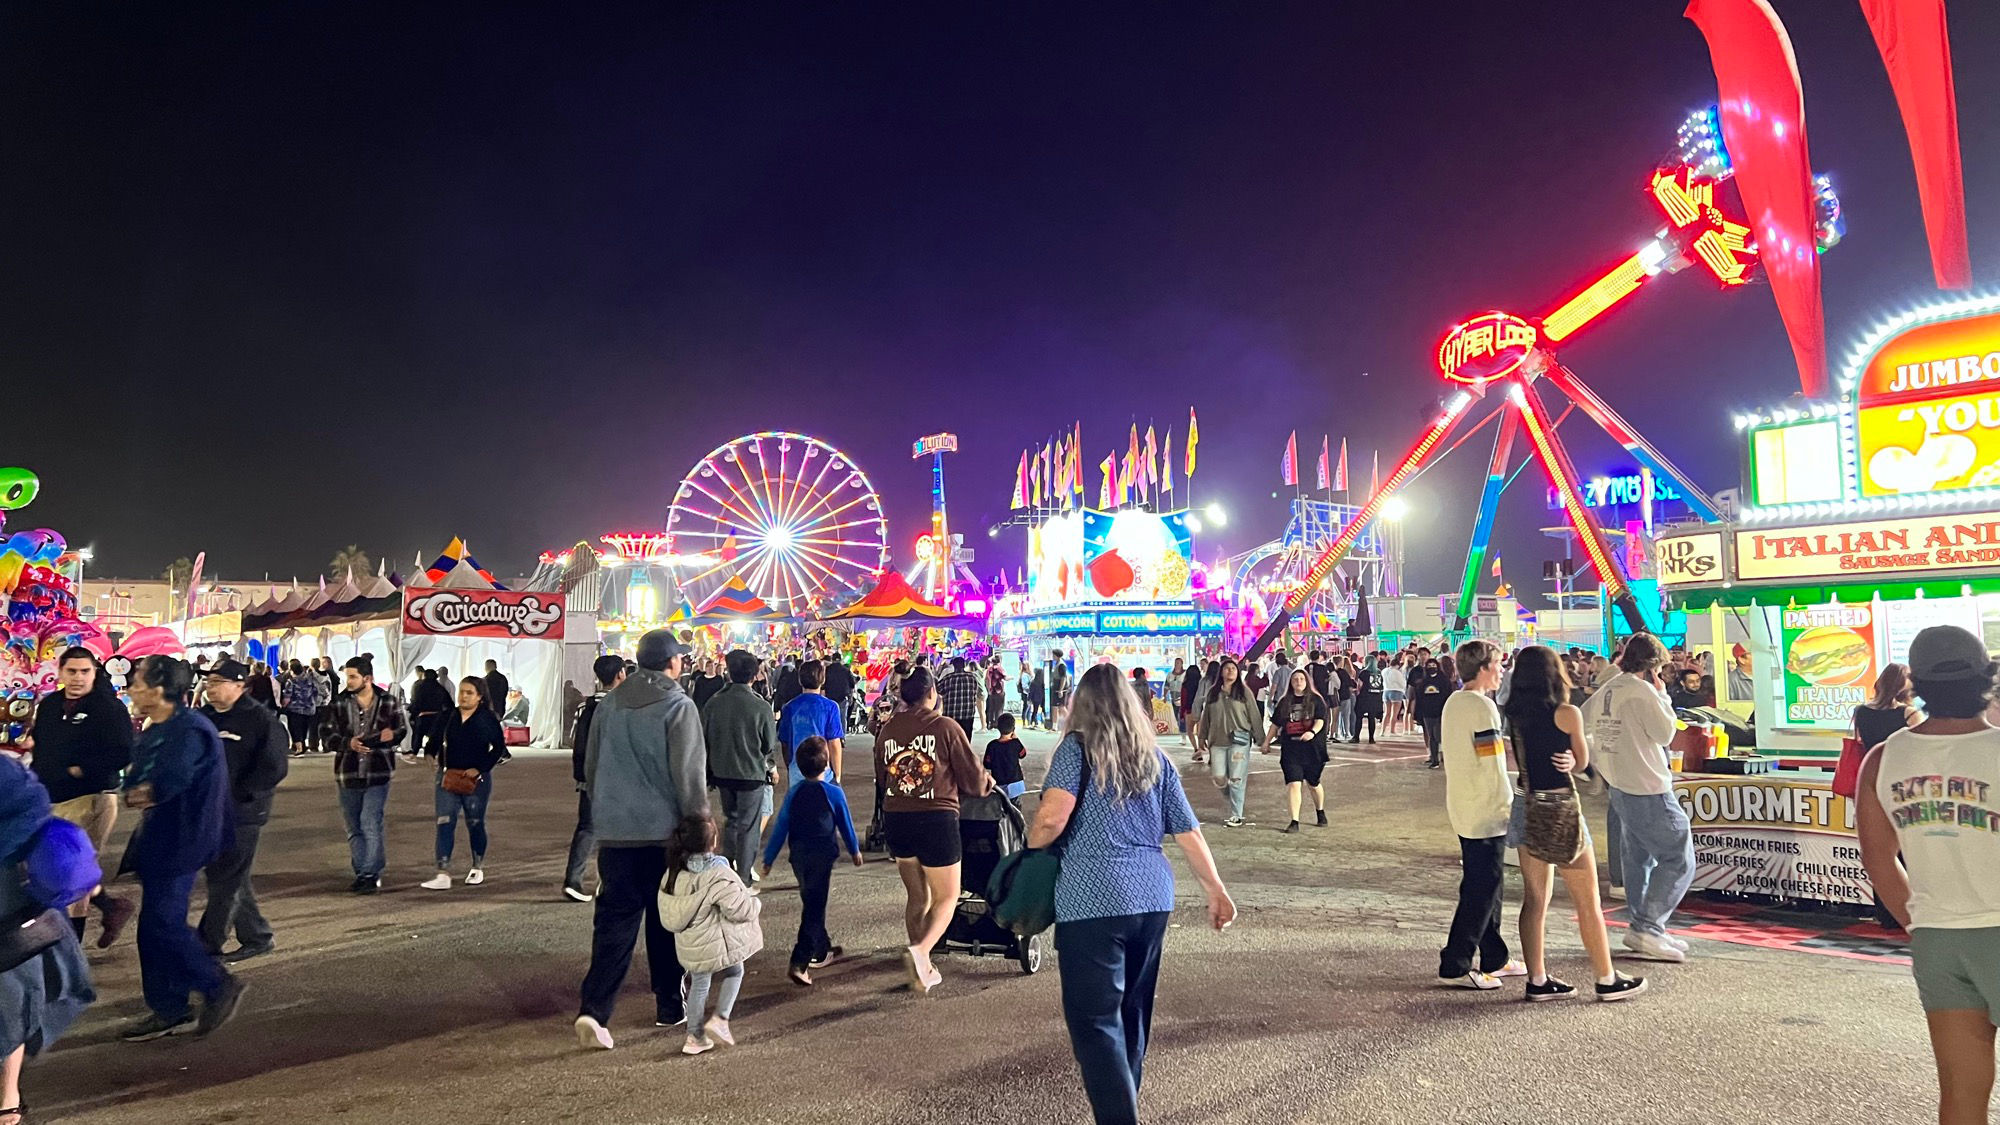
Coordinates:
(483,613)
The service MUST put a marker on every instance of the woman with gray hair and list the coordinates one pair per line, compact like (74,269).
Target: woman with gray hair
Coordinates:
(1111,794)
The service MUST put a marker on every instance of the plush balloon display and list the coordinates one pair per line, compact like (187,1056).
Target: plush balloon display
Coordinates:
(39,603)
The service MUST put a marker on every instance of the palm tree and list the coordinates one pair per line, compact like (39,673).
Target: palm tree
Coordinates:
(349,560)
(178,571)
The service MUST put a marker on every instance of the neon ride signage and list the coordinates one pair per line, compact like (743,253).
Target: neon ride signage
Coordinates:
(1489,346)
(483,613)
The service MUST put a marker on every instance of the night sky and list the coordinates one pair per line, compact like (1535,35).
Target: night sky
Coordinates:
(276,281)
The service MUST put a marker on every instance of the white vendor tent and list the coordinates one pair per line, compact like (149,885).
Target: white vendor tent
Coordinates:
(531,657)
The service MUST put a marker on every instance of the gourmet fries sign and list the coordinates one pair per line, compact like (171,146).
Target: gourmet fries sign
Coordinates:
(509,614)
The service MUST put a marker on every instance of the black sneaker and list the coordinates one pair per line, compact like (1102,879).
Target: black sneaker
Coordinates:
(1551,989)
(1291,828)
(1322,818)
(154,1027)
(1621,987)
(667,1019)
(217,1010)
(367,884)
(244,953)
(357,884)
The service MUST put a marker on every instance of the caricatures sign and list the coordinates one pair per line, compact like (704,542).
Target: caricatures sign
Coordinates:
(506,614)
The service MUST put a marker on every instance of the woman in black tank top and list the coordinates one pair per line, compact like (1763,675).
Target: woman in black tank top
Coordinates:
(1546,733)
(1887,711)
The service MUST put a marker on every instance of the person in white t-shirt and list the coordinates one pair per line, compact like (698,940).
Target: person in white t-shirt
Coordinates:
(1630,723)
(1479,797)
(1932,794)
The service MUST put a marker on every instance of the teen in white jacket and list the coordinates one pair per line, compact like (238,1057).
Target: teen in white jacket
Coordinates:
(713,918)
(1630,723)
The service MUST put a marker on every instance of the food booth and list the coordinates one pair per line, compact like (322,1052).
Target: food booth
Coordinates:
(1861,522)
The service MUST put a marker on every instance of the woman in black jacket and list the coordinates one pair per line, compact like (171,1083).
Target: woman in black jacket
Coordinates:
(1427,696)
(473,746)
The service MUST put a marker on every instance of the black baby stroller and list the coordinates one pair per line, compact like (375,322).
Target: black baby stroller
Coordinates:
(989,829)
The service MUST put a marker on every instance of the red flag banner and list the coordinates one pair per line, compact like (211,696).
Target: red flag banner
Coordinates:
(1325,468)
(1764,127)
(1021,483)
(1916,48)
(1288,466)
(512,614)
(1340,470)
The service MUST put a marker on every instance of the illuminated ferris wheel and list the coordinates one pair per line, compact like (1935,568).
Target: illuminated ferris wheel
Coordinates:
(796,518)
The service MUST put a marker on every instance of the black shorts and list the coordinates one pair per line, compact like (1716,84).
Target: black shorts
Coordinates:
(930,838)
(1301,762)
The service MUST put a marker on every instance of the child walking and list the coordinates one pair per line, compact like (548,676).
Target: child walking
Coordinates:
(816,820)
(1003,759)
(713,918)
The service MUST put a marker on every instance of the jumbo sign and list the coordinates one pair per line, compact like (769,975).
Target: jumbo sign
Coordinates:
(1928,409)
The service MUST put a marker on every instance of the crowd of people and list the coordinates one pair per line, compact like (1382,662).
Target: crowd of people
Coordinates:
(1522,738)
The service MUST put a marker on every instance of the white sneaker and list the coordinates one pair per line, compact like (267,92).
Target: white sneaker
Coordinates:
(1514,968)
(1652,947)
(718,1030)
(438,882)
(1474,980)
(695,1046)
(1675,942)
(592,1035)
(475,877)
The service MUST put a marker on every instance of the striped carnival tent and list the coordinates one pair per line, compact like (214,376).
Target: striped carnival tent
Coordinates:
(456,557)
(895,601)
(734,602)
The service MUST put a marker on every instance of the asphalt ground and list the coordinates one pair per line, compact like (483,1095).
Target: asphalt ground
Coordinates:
(1320,1004)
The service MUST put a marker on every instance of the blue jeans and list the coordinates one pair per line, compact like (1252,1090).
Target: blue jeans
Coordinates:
(1657,850)
(362,809)
(473,805)
(172,964)
(1231,763)
(1110,967)
(728,982)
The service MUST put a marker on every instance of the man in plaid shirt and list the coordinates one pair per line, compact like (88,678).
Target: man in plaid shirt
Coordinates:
(367,724)
(958,695)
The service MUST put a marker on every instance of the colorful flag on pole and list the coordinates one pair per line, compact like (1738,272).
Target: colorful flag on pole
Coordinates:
(1193,439)
(1110,470)
(1152,456)
(1374,472)
(1035,480)
(1496,564)
(1167,462)
(1325,474)
(1021,483)
(1076,461)
(1288,466)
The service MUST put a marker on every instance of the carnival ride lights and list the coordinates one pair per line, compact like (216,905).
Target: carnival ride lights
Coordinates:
(796,518)
(1510,352)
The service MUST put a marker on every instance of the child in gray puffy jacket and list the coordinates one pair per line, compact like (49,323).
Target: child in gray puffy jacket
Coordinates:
(713,918)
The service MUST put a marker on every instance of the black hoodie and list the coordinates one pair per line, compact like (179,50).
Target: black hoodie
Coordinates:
(93,734)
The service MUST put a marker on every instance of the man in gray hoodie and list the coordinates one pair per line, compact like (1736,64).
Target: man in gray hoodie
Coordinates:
(645,767)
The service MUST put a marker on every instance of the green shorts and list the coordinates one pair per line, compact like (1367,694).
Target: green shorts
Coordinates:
(1957,969)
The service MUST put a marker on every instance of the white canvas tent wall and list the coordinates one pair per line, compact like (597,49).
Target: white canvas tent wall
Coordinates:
(532,667)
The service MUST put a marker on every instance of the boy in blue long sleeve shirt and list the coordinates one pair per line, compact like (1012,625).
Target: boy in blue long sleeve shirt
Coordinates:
(816,820)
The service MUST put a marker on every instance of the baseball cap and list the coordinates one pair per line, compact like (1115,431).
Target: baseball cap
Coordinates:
(1943,653)
(228,668)
(657,647)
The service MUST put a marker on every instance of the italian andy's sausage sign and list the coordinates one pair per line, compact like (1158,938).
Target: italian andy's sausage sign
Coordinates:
(507,614)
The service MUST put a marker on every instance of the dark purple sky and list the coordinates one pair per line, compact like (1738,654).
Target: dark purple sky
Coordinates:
(275,282)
